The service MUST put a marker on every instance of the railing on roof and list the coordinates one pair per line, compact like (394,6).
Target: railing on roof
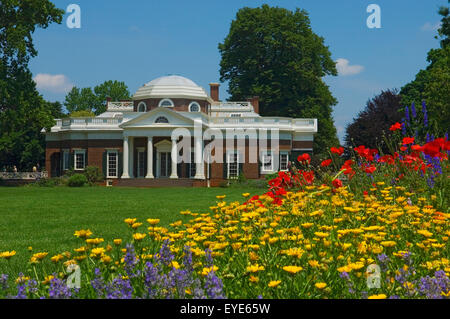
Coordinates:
(88,122)
(267,121)
(235,106)
(126,106)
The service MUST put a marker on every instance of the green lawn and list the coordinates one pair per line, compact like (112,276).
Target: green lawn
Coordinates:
(46,218)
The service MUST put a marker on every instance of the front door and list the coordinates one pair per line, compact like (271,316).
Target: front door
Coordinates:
(141,164)
(164,164)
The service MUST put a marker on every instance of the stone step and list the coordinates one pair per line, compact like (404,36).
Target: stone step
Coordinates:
(158,182)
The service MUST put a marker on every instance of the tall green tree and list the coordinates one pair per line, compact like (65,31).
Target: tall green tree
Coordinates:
(273,53)
(374,121)
(23,112)
(432,85)
(86,99)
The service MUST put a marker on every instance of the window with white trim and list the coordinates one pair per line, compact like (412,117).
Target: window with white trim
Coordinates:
(66,160)
(166,103)
(112,165)
(162,119)
(142,107)
(233,165)
(267,161)
(284,161)
(79,159)
(194,107)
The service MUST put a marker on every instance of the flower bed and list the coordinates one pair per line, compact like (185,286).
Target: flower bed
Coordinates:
(380,233)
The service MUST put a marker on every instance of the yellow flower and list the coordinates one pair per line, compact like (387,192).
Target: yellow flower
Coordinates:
(97,252)
(380,296)
(38,257)
(152,221)
(207,270)
(94,241)
(57,258)
(388,243)
(7,254)
(246,194)
(106,259)
(425,233)
(47,279)
(136,225)
(274,283)
(313,263)
(221,196)
(253,279)
(117,242)
(130,221)
(175,264)
(139,236)
(255,268)
(83,233)
(307,225)
(320,285)
(292,269)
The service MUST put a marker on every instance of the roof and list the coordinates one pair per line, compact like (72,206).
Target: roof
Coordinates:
(171,86)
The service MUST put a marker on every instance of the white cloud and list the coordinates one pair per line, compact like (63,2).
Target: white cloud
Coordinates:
(58,83)
(430,26)
(344,68)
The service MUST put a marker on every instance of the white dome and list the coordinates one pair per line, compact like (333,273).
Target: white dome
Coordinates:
(171,86)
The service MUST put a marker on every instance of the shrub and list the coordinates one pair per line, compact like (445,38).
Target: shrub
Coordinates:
(93,174)
(77,180)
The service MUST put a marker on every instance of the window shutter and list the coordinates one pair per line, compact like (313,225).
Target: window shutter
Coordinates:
(187,170)
(119,164)
(71,160)
(154,163)
(179,170)
(241,169)
(105,163)
(61,162)
(225,166)
(86,158)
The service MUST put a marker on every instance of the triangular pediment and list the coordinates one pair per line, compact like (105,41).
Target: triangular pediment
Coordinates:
(159,117)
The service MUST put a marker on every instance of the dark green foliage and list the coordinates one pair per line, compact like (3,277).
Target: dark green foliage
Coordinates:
(375,120)
(23,112)
(93,174)
(432,85)
(77,180)
(94,101)
(272,53)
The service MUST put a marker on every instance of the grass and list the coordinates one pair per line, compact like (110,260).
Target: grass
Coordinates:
(46,218)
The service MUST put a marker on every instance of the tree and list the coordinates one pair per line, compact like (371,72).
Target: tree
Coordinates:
(375,120)
(432,85)
(86,99)
(23,112)
(272,53)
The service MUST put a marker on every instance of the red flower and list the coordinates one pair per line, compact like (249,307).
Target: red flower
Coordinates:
(416,148)
(370,169)
(304,158)
(403,148)
(337,183)
(408,140)
(339,151)
(325,163)
(365,193)
(395,127)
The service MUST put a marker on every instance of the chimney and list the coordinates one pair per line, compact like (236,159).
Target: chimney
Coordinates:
(255,102)
(214,89)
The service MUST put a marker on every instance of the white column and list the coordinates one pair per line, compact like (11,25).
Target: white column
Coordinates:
(131,161)
(149,157)
(174,157)
(199,171)
(125,158)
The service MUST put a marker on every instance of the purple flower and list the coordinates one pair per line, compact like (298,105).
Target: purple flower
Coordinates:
(59,289)
(120,288)
(214,286)
(413,110)
(4,282)
(425,114)
(407,115)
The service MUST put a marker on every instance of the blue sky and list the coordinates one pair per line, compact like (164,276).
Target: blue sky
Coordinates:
(137,41)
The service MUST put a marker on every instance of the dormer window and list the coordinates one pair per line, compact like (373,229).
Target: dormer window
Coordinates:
(162,119)
(194,107)
(142,107)
(166,103)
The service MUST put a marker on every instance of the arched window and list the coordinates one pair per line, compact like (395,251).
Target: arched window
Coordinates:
(194,107)
(162,119)
(142,107)
(166,103)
